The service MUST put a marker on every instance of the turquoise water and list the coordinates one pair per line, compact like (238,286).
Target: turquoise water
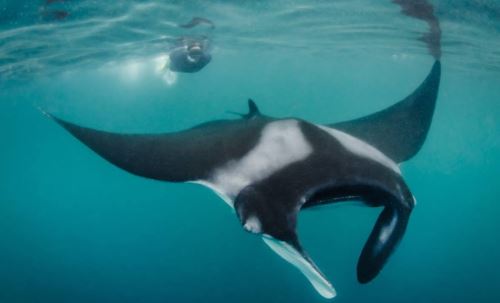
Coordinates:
(76,229)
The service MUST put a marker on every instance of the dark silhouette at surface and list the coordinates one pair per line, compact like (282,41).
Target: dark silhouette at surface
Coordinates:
(190,56)
(423,10)
(52,11)
(57,14)
(197,21)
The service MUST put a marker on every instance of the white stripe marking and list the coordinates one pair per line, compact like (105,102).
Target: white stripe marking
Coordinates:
(281,143)
(361,148)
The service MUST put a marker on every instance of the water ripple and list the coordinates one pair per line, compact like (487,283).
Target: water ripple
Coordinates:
(34,40)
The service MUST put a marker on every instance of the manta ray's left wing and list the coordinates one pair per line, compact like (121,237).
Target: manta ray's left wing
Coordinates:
(399,131)
(176,157)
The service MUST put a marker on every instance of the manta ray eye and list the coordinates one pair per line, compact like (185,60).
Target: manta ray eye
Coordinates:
(253,225)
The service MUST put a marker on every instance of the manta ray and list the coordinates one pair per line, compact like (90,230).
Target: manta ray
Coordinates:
(268,169)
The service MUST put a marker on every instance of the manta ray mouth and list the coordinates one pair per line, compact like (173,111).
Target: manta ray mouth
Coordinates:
(303,263)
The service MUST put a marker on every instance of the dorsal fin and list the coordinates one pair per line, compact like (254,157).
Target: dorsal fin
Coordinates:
(253,110)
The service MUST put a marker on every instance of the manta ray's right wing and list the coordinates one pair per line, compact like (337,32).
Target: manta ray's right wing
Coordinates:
(188,155)
(400,130)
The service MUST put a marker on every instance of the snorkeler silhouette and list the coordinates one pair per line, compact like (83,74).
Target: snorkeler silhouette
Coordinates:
(190,54)
(189,57)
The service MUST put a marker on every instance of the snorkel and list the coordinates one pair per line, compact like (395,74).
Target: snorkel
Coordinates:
(194,53)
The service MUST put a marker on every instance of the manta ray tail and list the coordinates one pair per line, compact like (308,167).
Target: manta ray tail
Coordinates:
(400,130)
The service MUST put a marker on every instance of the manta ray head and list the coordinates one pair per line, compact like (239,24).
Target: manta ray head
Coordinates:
(258,216)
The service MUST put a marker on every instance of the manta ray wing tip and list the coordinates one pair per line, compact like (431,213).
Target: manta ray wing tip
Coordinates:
(44,112)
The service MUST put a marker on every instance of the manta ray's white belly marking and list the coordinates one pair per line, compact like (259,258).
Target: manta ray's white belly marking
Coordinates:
(361,148)
(281,143)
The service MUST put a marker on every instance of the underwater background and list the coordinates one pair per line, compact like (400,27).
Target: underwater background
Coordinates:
(74,228)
